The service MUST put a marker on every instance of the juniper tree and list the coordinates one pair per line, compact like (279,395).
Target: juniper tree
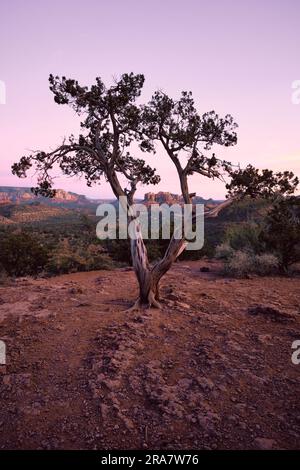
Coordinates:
(281,232)
(111,121)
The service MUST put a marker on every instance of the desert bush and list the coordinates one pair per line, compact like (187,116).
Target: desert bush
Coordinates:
(68,258)
(98,258)
(245,237)
(273,245)
(265,264)
(64,263)
(119,250)
(224,251)
(242,263)
(22,254)
(282,231)
(239,264)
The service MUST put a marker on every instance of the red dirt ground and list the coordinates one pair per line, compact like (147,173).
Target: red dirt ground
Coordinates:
(203,373)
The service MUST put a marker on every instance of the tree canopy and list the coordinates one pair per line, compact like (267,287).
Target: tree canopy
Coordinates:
(111,120)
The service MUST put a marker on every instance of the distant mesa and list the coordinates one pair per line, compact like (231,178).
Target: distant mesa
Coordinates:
(21,206)
(15,195)
(163,197)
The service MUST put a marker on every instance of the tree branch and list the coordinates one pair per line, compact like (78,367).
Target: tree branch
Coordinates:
(214,212)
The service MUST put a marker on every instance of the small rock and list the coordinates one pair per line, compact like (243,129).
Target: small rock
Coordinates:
(183,305)
(205,383)
(264,443)
(270,313)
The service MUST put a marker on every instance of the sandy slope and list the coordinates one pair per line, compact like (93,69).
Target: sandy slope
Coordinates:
(201,373)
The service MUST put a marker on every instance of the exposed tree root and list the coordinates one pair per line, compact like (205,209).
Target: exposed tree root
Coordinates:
(139,305)
(135,307)
(152,301)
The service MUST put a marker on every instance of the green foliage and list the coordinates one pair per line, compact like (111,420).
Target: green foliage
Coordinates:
(119,250)
(244,236)
(264,247)
(254,183)
(224,251)
(244,210)
(179,127)
(282,231)
(66,258)
(111,121)
(22,254)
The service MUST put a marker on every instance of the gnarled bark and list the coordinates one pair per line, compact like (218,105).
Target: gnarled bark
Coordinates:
(149,277)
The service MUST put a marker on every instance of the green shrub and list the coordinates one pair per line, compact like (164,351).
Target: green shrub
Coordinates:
(272,246)
(224,251)
(68,258)
(241,264)
(22,254)
(61,263)
(282,231)
(244,236)
(119,250)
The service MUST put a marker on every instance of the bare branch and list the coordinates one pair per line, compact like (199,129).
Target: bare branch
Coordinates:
(214,212)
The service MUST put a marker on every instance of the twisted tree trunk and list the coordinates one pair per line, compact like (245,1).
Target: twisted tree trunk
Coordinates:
(149,277)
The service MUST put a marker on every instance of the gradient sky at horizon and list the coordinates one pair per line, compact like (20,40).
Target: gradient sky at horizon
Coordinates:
(238,57)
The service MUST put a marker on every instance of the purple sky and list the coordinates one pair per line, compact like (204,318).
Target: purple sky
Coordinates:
(238,57)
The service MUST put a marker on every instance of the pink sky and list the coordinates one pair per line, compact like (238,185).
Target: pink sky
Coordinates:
(238,57)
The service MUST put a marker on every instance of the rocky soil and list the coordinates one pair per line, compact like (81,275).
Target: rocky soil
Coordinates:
(212,370)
